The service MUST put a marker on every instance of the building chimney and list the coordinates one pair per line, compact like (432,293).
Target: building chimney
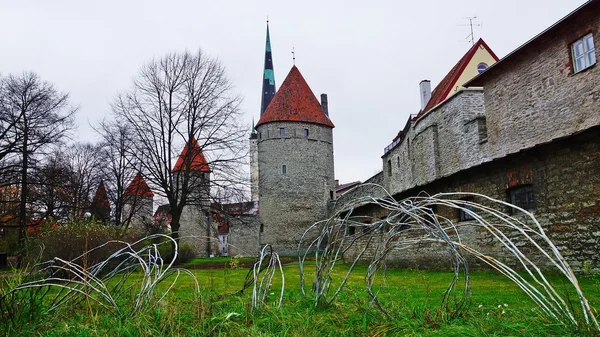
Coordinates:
(337,182)
(324,106)
(425,89)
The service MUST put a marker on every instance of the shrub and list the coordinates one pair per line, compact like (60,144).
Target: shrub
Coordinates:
(75,238)
(10,243)
(187,252)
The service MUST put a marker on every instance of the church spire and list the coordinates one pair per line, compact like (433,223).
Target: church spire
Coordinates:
(268,87)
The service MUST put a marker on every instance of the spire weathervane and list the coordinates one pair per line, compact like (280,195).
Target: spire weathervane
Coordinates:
(293,56)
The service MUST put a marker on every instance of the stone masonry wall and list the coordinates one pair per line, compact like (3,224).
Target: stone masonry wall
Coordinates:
(291,202)
(139,211)
(535,97)
(564,177)
(196,226)
(244,234)
(197,229)
(444,141)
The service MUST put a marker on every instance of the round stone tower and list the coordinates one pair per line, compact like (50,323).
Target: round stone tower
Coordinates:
(295,164)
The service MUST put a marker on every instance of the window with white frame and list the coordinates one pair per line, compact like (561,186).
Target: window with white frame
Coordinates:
(584,53)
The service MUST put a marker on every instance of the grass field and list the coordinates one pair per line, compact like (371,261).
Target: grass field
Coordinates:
(498,308)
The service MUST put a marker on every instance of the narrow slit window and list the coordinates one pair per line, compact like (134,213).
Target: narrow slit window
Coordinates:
(282,132)
(283,169)
(305,132)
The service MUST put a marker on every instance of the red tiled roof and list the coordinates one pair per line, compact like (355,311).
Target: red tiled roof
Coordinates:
(295,102)
(138,187)
(198,161)
(101,198)
(342,187)
(442,90)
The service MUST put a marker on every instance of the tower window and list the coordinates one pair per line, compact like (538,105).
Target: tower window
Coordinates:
(282,132)
(305,132)
(283,169)
(389,166)
(331,195)
(260,135)
(262,227)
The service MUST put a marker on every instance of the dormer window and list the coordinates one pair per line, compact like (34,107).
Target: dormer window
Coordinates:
(481,67)
(583,53)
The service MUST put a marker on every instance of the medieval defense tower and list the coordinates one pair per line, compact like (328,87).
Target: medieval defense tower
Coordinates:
(295,164)
(196,226)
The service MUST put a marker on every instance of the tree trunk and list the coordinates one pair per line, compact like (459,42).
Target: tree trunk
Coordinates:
(23,201)
(175,218)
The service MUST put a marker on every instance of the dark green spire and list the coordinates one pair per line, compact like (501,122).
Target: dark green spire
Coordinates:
(268,87)
(253,134)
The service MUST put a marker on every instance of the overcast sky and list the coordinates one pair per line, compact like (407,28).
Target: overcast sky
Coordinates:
(368,56)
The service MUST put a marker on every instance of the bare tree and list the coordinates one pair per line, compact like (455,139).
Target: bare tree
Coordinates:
(50,194)
(84,164)
(35,116)
(176,99)
(118,167)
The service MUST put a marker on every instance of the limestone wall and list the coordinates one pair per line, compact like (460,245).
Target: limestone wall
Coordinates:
(244,233)
(292,200)
(535,97)
(446,140)
(566,185)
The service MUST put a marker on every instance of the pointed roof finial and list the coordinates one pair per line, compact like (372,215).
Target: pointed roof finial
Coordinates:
(293,56)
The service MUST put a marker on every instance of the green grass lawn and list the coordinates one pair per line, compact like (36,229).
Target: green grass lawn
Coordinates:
(412,297)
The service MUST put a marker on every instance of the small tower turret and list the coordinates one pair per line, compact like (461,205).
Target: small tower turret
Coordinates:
(195,224)
(138,203)
(253,163)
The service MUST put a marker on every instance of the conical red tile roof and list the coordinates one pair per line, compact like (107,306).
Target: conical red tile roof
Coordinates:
(101,197)
(198,161)
(295,102)
(138,187)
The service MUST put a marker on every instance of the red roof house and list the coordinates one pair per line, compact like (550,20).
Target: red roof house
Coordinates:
(443,89)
